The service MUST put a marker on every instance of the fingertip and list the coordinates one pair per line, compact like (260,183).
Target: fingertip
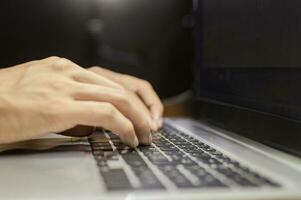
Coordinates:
(136,142)
(154,125)
(157,118)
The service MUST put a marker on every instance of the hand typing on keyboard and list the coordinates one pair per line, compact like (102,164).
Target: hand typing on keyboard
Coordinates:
(56,95)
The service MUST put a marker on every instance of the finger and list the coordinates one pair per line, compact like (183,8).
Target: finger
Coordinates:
(128,104)
(141,87)
(86,76)
(104,115)
(151,99)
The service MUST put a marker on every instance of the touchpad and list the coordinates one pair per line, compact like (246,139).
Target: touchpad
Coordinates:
(51,173)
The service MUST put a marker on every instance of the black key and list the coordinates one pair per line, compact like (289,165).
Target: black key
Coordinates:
(117,143)
(103,143)
(186,145)
(112,135)
(173,138)
(211,151)
(123,147)
(169,148)
(157,158)
(211,161)
(159,140)
(224,158)
(197,170)
(98,152)
(199,154)
(180,142)
(111,155)
(104,156)
(148,151)
(176,158)
(133,159)
(164,133)
(192,140)
(187,137)
(147,178)
(191,149)
(178,153)
(205,179)
(141,147)
(176,176)
(201,145)
(236,177)
(102,148)
(186,161)
(216,153)
(116,179)
(206,148)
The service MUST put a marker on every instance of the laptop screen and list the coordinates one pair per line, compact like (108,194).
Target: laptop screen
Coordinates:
(249,56)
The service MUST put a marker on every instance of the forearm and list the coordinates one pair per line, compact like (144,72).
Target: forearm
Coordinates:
(6,120)
(16,119)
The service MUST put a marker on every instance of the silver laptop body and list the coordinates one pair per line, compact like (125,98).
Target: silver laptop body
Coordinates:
(75,174)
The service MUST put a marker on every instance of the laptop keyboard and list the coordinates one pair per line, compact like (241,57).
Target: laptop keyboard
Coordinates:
(174,160)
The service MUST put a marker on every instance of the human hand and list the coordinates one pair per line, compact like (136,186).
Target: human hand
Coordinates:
(54,95)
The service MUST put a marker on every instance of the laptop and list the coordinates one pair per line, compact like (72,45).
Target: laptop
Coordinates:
(244,142)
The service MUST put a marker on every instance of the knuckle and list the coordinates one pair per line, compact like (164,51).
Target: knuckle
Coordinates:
(123,101)
(146,84)
(53,58)
(94,68)
(123,98)
(61,64)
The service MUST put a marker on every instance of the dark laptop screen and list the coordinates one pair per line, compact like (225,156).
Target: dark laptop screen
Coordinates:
(249,55)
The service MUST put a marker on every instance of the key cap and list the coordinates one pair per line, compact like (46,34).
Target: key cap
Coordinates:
(176,176)
(116,179)
(147,178)
(102,148)
(205,178)
(157,158)
(236,177)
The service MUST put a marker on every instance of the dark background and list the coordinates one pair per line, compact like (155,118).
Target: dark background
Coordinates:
(148,39)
